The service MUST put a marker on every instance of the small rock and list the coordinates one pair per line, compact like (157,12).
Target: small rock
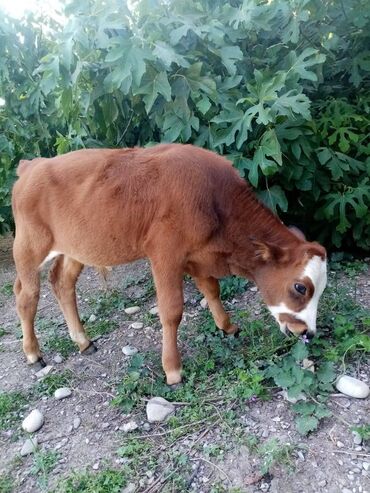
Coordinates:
(92,318)
(96,466)
(352,387)
(154,310)
(203,303)
(58,359)
(62,393)
(130,426)
(33,421)
(357,439)
(265,434)
(293,400)
(130,488)
(131,310)
(346,490)
(254,289)
(300,455)
(322,483)
(146,427)
(137,325)
(157,409)
(76,422)
(29,447)
(44,371)
(308,364)
(340,444)
(129,350)
(366,466)
(105,426)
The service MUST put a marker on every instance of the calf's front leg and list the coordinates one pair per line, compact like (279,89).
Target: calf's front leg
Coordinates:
(168,280)
(210,288)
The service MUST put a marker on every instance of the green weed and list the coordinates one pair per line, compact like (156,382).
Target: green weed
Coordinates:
(106,481)
(2,332)
(11,405)
(53,381)
(6,483)
(7,289)
(43,464)
(274,453)
(100,328)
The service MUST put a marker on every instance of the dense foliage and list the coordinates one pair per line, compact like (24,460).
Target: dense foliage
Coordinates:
(280,86)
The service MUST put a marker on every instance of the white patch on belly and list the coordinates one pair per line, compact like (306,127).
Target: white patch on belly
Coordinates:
(316,271)
(52,254)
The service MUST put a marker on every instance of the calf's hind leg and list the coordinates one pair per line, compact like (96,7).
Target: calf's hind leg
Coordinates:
(210,288)
(63,277)
(27,293)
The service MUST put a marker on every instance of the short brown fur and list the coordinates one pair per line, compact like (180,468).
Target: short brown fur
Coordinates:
(183,207)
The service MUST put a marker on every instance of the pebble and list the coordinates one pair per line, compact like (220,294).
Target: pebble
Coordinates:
(157,409)
(352,387)
(322,483)
(129,350)
(357,439)
(58,359)
(254,289)
(44,371)
(29,447)
(33,421)
(92,318)
(308,364)
(62,393)
(130,426)
(154,310)
(203,303)
(366,466)
(340,444)
(131,310)
(96,466)
(346,490)
(76,422)
(130,488)
(137,325)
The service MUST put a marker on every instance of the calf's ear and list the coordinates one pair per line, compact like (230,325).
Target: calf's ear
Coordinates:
(297,232)
(268,252)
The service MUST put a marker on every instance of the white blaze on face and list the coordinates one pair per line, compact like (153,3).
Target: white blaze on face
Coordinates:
(316,271)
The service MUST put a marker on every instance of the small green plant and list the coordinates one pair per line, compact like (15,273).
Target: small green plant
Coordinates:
(106,481)
(43,464)
(273,453)
(100,328)
(7,289)
(6,483)
(108,302)
(53,381)
(2,332)
(363,431)
(232,286)
(11,404)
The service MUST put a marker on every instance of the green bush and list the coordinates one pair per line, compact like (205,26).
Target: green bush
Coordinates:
(280,86)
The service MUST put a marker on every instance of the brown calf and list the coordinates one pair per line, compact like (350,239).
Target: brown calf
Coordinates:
(184,208)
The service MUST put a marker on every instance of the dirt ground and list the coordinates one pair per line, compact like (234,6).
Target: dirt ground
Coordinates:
(327,461)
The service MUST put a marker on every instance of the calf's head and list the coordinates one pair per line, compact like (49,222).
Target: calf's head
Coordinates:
(291,281)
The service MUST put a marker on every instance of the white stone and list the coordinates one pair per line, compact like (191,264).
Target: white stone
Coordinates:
(137,325)
(131,310)
(254,289)
(130,488)
(203,303)
(29,447)
(352,387)
(357,439)
(293,400)
(340,444)
(92,318)
(62,393)
(130,426)
(58,359)
(157,409)
(96,466)
(33,421)
(44,371)
(129,350)
(76,422)
(308,364)
(154,310)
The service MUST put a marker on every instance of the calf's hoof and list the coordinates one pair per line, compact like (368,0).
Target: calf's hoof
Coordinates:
(173,378)
(233,330)
(175,386)
(37,365)
(91,349)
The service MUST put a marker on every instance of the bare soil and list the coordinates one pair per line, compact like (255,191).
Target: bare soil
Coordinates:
(327,461)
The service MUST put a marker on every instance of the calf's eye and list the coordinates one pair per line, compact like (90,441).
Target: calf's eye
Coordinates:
(300,288)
